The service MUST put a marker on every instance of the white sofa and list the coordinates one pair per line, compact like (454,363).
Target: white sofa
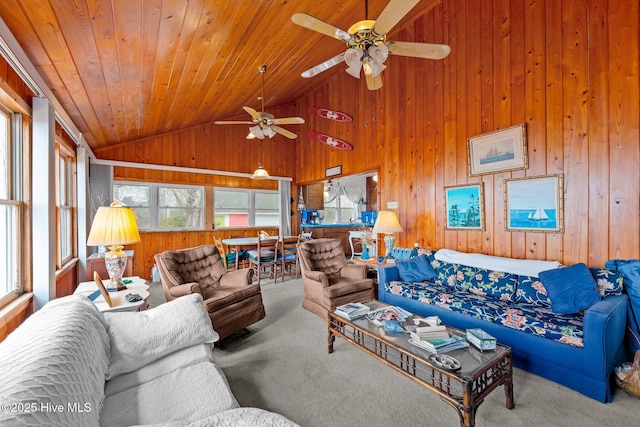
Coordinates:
(70,365)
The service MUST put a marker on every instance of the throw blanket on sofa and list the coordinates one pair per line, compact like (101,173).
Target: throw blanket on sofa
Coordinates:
(59,345)
(523,267)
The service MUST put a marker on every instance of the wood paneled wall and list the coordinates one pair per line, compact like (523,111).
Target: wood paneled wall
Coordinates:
(569,70)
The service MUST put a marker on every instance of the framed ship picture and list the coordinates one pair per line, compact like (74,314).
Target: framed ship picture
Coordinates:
(534,204)
(499,151)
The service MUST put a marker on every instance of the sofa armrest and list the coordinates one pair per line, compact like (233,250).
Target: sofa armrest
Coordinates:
(185,289)
(386,273)
(317,276)
(604,326)
(242,277)
(354,271)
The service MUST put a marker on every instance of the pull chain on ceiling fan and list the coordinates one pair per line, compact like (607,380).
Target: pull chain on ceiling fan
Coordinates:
(265,124)
(367,43)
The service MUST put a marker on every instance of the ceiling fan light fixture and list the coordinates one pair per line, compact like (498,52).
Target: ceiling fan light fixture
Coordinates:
(353,58)
(255,132)
(269,132)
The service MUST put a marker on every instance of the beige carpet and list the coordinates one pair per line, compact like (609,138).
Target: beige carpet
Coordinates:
(282,365)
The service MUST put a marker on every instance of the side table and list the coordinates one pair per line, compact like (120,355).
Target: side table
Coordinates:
(137,286)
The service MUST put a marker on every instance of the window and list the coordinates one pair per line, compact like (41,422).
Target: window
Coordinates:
(245,208)
(339,210)
(66,173)
(163,206)
(10,204)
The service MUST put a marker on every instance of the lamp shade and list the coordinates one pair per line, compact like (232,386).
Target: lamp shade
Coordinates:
(113,225)
(260,173)
(387,222)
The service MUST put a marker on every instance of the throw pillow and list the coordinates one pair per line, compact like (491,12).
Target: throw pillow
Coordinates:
(609,282)
(416,269)
(139,338)
(571,289)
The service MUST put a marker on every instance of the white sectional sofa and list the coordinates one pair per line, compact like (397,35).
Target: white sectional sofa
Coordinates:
(71,365)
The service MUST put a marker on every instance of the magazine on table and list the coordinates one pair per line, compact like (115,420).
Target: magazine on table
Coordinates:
(352,310)
(391,312)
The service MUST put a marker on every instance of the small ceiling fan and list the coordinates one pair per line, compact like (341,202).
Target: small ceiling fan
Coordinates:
(368,45)
(264,124)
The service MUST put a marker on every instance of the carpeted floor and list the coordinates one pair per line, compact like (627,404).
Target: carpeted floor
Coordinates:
(281,364)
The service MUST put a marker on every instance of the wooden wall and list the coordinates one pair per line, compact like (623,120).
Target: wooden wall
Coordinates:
(569,70)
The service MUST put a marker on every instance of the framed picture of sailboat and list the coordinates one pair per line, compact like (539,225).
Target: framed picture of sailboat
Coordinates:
(499,151)
(534,204)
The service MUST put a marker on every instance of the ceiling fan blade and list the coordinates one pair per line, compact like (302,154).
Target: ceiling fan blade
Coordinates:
(253,113)
(419,50)
(288,121)
(284,132)
(323,66)
(308,21)
(232,122)
(373,82)
(392,14)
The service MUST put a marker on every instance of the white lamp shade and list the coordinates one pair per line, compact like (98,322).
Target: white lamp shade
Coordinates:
(113,225)
(260,173)
(387,222)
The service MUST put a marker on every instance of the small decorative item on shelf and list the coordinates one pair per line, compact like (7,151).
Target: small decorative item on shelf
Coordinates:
(365,253)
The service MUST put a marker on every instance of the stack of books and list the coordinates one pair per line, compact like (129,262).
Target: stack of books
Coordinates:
(352,310)
(440,345)
(429,332)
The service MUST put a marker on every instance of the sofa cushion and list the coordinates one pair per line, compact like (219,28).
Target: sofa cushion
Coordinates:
(571,289)
(531,290)
(540,320)
(479,281)
(468,304)
(184,395)
(169,327)
(416,269)
(609,282)
(57,357)
(419,291)
(219,297)
(445,272)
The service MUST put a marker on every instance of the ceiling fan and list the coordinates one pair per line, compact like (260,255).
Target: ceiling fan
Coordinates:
(264,124)
(368,45)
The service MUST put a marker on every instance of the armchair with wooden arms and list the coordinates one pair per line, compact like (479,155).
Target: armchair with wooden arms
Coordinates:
(329,280)
(230,298)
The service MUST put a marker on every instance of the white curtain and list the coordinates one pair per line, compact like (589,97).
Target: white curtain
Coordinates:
(354,194)
(333,192)
(284,190)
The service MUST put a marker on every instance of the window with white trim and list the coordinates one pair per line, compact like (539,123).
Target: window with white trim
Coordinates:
(242,207)
(11,205)
(160,207)
(65,203)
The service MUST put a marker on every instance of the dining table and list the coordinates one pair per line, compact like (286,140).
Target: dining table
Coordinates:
(242,243)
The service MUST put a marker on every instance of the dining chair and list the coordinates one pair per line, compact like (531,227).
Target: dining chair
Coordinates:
(288,255)
(243,260)
(264,257)
(228,258)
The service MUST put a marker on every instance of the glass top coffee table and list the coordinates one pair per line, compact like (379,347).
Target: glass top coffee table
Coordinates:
(464,389)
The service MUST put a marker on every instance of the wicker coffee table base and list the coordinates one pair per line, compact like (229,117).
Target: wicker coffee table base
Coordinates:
(464,392)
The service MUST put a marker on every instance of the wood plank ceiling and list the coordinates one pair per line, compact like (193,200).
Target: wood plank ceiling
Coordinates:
(128,69)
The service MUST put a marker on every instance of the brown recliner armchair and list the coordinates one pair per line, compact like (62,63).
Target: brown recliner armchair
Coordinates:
(232,301)
(329,279)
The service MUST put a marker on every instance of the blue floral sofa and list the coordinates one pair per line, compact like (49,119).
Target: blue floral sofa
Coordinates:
(576,350)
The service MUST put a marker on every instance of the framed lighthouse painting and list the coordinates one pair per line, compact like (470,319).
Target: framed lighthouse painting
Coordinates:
(534,204)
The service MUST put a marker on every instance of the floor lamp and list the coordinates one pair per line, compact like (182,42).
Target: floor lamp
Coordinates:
(114,226)
(387,223)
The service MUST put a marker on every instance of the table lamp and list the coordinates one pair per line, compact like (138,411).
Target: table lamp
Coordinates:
(387,223)
(114,226)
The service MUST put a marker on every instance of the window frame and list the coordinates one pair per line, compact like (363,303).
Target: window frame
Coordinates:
(14,198)
(252,205)
(154,207)
(66,156)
